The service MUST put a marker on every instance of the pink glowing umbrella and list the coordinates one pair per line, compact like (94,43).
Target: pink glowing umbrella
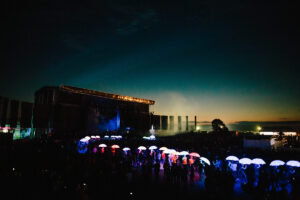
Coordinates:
(115,146)
(194,154)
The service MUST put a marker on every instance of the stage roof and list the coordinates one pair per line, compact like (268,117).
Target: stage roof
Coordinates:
(106,95)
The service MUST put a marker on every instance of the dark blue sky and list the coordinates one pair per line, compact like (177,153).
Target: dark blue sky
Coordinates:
(229,59)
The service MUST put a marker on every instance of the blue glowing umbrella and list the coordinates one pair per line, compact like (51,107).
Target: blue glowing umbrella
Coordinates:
(205,160)
(245,161)
(258,161)
(232,158)
(293,163)
(277,163)
(126,149)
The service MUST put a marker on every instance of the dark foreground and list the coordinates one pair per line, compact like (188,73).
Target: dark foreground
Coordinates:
(54,170)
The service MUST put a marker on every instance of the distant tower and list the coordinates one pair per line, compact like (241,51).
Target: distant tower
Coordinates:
(171,122)
(179,123)
(195,123)
(186,123)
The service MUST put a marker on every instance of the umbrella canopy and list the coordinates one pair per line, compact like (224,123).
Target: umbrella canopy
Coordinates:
(277,163)
(163,148)
(194,154)
(84,140)
(126,149)
(205,160)
(115,146)
(153,147)
(245,161)
(258,161)
(142,148)
(102,145)
(167,151)
(232,158)
(183,153)
(293,163)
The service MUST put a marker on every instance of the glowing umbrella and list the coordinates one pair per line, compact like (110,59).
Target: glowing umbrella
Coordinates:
(293,163)
(277,163)
(126,149)
(194,154)
(115,146)
(103,145)
(169,151)
(232,158)
(183,153)
(258,161)
(142,148)
(163,148)
(153,147)
(205,160)
(84,140)
(245,161)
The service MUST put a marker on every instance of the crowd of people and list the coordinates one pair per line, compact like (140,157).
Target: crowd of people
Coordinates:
(48,169)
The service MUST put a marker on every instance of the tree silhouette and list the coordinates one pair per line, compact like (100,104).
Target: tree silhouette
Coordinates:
(218,126)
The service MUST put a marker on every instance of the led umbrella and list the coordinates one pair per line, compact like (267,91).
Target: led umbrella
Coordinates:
(293,163)
(153,147)
(276,163)
(245,161)
(183,153)
(258,161)
(194,154)
(205,160)
(126,149)
(232,158)
(102,147)
(163,148)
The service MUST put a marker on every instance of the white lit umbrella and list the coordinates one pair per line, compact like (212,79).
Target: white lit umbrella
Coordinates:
(245,161)
(232,158)
(163,148)
(126,149)
(169,151)
(84,140)
(258,161)
(293,163)
(142,148)
(183,153)
(277,163)
(103,145)
(115,146)
(153,147)
(205,160)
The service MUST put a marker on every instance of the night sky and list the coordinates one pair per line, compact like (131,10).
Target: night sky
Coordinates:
(234,60)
